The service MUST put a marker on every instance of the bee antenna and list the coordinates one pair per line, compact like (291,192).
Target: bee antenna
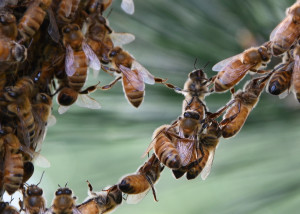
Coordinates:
(66,184)
(206,64)
(41,178)
(109,13)
(59,186)
(195,63)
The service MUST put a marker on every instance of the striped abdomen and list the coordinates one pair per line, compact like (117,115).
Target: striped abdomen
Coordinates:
(194,171)
(234,126)
(166,151)
(134,184)
(134,96)
(13,172)
(77,80)
(31,21)
(67,10)
(280,81)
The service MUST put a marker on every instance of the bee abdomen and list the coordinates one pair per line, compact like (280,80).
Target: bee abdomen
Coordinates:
(4,51)
(197,169)
(13,173)
(279,82)
(134,184)
(135,98)
(167,153)
(31,21)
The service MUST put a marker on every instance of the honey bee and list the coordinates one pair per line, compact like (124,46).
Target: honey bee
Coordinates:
(103,202)
(296,73)
(13,163)
(138,184)
(233,69)
(287,31)
(34,202)
(207,144)
(66,10)
(33,18)
(63,202)
(102,39)
(280,81)
(79,56)
(11,51)
(8,26)
(133,75)
(5,208)
(241,105)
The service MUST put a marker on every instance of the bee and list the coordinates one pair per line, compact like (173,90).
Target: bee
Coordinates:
(33,18)
(280,81)
(13,163)
(66,10)
(138,184)
(102,39)
(296,73)
(207,143)
(34,202)
(63,202)
(287,31)
(11,51)
(103,202)
(5,208)
(133,75)
(79,56)
(233,69)
(241,105)
(8,26)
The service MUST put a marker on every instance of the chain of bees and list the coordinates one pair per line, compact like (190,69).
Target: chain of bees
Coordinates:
(74,37)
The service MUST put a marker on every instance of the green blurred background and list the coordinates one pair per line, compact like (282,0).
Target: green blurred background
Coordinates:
(255,172)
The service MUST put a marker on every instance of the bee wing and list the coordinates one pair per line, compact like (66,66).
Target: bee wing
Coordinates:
(53,28)
(222,64)
(69,64)
(68,7)
(94,62)
(146,75)
(206,170)
(63,109)
(128,6)
(133,78)
(86,101)
(76,211)
(51,120)
(185,150)
(136,198)
(41,161)
(120,39)
(281,27)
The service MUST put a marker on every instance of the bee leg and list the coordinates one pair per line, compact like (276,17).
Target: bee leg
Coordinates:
(221,111)
(231,118)
(110,85)
(108,69)
(169,85)
(152,187)
(90,89)
(90,191)
(21,204)
(261,71)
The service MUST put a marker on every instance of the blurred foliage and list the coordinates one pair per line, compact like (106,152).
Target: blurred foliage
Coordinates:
(255,172)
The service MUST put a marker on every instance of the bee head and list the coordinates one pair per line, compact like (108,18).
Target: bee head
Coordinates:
(67,96)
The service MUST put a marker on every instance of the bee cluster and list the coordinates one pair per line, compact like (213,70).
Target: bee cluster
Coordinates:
(47,48)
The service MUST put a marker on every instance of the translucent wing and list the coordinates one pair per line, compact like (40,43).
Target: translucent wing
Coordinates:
(282,26)
(68,7)
(146,75)
(283,94)
(69,64)
(133,78)
(41,161)
(63,109)
(51,120)
(120,39)
(222,64)
(86,101)
(76,211)
(206,170)
(128,6)
(136,198)
(185,150)
(94,62)
(52,28)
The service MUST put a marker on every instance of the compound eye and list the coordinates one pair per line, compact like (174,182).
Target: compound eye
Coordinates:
(68,192)
(29,192)
(187,114)
(196,116)
(76,28)
(113,53)
(66,30)
(59,192)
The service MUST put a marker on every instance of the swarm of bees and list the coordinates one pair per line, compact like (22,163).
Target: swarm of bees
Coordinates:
(74,37)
